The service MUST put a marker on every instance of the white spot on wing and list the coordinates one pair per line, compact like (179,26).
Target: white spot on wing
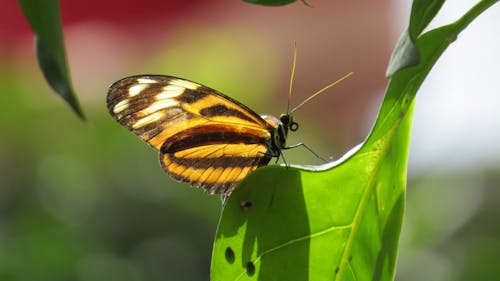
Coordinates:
(136,89)
(146,81)
(170,91)
(185,84)
(158,105)
(120,106)
(148,119)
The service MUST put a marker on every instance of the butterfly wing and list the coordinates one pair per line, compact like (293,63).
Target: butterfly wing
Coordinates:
(203,136)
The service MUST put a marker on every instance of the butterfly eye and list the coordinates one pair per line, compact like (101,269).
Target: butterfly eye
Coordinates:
(285,119)
(294,126)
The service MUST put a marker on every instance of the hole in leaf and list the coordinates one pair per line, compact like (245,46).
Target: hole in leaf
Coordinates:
(245,205)
(229,255)
(250,268)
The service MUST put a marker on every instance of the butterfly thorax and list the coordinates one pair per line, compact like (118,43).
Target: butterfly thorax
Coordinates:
(280,132)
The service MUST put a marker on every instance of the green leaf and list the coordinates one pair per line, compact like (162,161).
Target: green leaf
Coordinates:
(406,54)
(337,222)
(422,12)
(45,20)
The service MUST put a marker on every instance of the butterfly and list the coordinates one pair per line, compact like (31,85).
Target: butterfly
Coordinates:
(203,136)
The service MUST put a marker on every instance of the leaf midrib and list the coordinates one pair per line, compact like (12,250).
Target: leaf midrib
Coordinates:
(385,141)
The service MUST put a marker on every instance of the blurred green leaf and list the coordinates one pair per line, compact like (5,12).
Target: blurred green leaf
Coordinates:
(45,20)
(341,222)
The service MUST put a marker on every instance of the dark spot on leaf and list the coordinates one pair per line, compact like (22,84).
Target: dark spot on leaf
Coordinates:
(250,268)
(245,205)
(229,255)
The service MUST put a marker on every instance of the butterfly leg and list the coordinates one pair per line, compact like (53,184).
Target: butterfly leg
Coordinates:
(308,148)
(224,197)
(283,157)
(274,156)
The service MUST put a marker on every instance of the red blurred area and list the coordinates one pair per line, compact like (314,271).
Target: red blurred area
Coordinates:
(229,41)
(14,27)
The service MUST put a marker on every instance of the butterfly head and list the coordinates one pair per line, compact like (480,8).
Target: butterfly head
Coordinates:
(288,123)
(281,127)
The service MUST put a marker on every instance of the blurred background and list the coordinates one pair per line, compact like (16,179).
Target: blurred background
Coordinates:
(89,201)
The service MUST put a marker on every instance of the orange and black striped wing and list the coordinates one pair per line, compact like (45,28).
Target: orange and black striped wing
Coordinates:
(204,137)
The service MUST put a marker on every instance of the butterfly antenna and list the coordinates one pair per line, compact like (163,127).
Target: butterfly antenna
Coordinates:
(321,91)
(292,76)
